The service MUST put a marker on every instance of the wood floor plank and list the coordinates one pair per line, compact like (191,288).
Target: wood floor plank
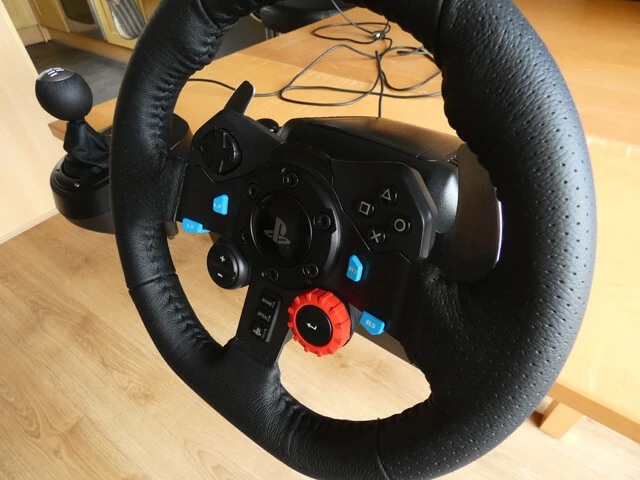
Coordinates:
(84,393)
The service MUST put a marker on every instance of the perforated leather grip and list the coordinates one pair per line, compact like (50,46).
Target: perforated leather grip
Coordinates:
(490,350)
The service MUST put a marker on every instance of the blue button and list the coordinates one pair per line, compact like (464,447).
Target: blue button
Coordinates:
(355,270)
(191,226)
(221,204)
(371,324)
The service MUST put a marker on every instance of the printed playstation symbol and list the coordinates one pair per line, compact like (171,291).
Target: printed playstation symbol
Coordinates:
(278,234)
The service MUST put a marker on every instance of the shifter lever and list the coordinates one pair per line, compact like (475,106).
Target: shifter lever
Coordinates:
(80,181)
(64,94)
(67,96)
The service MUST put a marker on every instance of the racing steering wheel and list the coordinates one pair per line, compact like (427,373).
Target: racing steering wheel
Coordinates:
(296,228)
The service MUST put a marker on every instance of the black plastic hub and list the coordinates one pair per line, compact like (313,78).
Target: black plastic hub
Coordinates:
(281,229)
(307,210)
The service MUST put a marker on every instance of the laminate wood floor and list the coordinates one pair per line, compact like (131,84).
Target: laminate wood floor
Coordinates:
(85,395)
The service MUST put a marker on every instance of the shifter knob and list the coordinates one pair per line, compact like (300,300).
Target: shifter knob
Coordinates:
(64,94)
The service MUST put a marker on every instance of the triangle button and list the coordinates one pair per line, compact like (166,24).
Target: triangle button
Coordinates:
(389,195)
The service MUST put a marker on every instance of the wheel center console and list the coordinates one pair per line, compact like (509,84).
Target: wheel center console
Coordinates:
(326,220)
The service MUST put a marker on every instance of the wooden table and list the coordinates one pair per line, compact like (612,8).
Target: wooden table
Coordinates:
(88,396)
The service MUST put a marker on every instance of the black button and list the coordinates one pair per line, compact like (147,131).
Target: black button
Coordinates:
(223,278)
(291,180)
(311,270)
(271,275)
(220,151)
(264,315)
(389,195)
(323,222)
(223,266)
(402,225)
(269,302)
(366,208)
(377,235)
(314,326)
(260,330)
(281,229)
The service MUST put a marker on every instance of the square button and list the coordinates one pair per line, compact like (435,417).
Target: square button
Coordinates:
(366,209)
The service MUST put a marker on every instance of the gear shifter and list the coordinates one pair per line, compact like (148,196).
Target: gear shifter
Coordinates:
(80,181)
(67,96)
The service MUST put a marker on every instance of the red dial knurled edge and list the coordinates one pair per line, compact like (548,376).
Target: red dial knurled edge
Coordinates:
(334,309)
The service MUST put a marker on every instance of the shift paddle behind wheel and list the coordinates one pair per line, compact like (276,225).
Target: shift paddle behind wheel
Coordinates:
(332,222)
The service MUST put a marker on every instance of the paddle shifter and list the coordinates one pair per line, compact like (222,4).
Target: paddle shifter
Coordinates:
(80,181)
(318,218)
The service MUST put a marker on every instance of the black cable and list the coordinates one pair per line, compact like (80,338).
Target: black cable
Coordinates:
(375,36)
(378,57)
(382,79)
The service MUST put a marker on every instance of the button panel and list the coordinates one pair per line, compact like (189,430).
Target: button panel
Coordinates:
(395,214)
(223,266)
(227,266)
(265,315)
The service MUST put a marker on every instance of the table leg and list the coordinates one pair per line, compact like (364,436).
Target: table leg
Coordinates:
(558,419)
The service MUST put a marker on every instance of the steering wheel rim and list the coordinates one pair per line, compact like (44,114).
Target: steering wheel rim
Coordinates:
(490,350)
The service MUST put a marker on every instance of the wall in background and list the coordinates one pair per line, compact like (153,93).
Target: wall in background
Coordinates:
(21,13)
(27,148)
(25,21)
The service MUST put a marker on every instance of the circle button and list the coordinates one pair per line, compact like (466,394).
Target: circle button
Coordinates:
(401,225)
